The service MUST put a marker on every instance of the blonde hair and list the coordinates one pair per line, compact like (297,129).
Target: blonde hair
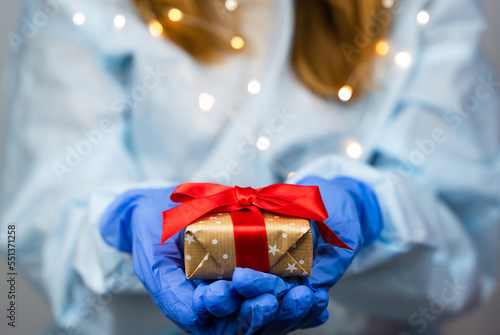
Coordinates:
(333,45)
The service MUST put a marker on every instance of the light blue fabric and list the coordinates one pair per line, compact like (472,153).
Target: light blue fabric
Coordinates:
(94,111)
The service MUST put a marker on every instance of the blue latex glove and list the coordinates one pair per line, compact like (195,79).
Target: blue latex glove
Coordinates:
(354,215)
(133,223)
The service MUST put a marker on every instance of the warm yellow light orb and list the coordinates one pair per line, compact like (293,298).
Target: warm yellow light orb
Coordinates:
(345,93)
(382,48)
(175,15)
(155,28)
(388,3)
(231,5)
(237,42)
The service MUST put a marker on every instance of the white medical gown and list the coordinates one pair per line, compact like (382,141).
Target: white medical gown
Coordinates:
(94,110)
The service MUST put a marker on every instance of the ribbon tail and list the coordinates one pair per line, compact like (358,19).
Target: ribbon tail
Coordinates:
(330,237)
(178,218)
(172,228)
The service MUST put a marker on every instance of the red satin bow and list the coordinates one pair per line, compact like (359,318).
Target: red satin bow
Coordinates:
(202,198)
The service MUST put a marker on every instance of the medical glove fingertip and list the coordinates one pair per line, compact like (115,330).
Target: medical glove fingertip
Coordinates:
(320,300)
(221,298)
(304,297)
(320,320)
(256,312)
(298,301)
(199,307)
(320,303)
(179,311)
(251,283)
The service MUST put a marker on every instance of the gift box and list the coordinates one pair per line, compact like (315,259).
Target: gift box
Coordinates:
(209,246)
(265,229)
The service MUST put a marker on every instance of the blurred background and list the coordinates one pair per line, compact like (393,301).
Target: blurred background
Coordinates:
(34,314)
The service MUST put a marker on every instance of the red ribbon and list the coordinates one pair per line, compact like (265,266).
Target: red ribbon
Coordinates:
(250,235)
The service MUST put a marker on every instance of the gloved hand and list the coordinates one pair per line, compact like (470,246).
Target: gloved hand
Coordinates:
(133,224)
(354,215)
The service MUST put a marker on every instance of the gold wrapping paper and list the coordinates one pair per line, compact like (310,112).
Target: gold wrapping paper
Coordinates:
(209,251)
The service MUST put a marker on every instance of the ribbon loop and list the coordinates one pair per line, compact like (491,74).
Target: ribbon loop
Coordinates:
(245,195)
(199,199)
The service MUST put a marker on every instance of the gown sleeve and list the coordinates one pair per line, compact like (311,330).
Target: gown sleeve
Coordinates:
(434,164)
(66,155)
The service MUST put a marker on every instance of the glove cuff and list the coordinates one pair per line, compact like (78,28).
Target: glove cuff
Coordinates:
(115,224)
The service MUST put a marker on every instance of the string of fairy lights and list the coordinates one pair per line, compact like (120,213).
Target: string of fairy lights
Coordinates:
(402,59)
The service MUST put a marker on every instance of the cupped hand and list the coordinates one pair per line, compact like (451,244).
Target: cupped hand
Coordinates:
(133,224)
(354,216)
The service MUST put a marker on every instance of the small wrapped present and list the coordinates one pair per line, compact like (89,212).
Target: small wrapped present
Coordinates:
(265,229)
(209,246)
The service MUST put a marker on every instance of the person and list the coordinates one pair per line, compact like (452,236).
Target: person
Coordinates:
(107,114)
